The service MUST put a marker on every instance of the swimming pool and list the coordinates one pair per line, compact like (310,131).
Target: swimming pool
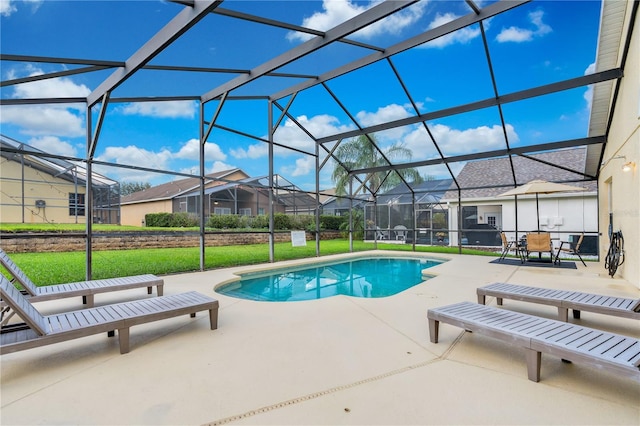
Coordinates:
(360,277)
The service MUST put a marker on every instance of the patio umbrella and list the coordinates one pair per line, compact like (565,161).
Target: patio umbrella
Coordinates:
(540,187)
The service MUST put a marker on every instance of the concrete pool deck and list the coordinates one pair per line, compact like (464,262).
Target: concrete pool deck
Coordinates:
(339,360)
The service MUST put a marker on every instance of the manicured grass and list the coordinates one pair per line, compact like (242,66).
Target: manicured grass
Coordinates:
(56,268)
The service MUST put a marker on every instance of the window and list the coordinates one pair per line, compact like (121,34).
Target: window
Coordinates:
(76,204)
(221,210)
(261,210)
(491,220)
(245,212)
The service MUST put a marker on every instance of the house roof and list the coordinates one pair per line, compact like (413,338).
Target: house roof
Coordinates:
(428,191)
(491,177)
(170,190)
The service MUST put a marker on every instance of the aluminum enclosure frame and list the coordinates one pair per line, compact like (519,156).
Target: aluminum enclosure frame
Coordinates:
(194,11)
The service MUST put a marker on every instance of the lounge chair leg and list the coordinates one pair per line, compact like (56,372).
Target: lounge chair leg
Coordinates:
(481,299)
(111,333)
(563,314)
(433,330)
(576,314)
(534,359)
(123,337)
(84,300)
(88,300)
(213,318)
(149,290)
(499,301)
(160,289)
(581,260)
(192,314)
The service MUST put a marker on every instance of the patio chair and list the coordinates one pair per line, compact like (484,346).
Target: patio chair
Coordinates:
(401,232)
(86,289)
(539,242)
(381,235)
(571,248)
(598,349)
(40,330)
(508,246)
(563,300)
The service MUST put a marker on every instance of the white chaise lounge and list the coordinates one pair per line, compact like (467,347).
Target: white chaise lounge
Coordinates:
(563,300)
(40,330)
(86,289)
(598,349)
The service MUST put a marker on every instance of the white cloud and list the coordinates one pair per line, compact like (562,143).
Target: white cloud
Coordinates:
(219,166)
(165,109)
(290,135)
(253,151)
(303,166)
(420,144)
(54,145)
(191,151)
(60,87)
(133,155)
(7,7)
(588,94)
(519,35)
(382,115)
(46,119)
(462,36)
(335,12)
(483,138)
(37,120)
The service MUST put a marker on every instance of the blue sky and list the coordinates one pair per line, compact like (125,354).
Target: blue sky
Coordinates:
(539,43)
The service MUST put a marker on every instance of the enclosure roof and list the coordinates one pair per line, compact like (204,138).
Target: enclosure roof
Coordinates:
(453,82)
(55,167)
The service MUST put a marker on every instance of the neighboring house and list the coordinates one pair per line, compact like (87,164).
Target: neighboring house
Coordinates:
(399,206)
(340,206)
(227,192)
(172,197)
(39,189)
(485,213)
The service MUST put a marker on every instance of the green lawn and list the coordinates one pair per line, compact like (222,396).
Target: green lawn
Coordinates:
(56,268)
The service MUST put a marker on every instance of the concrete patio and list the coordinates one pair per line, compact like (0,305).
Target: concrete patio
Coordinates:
(339,360)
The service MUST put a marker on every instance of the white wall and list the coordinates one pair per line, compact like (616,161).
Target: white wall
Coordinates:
(619,190)
(578,213)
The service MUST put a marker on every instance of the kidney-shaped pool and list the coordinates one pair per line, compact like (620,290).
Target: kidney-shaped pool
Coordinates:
(359,277)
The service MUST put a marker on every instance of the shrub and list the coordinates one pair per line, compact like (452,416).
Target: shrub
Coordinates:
(332,222)
(261,221)
(223,221)
(281,221)
(170,220)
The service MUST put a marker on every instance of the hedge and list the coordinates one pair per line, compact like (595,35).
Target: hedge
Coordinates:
(231,221)
(170,220)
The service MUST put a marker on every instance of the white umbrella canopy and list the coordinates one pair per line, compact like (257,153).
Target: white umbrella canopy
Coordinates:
(540,187)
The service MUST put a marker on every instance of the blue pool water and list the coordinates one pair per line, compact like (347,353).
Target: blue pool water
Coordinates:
(370,277)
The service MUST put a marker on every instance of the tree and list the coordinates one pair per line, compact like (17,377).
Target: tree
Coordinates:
(127,188)
(362,153)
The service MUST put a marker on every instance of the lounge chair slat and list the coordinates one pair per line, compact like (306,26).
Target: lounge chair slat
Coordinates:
(612,352)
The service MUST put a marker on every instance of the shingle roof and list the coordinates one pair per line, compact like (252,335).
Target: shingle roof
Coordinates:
(171,189)
(496,172)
